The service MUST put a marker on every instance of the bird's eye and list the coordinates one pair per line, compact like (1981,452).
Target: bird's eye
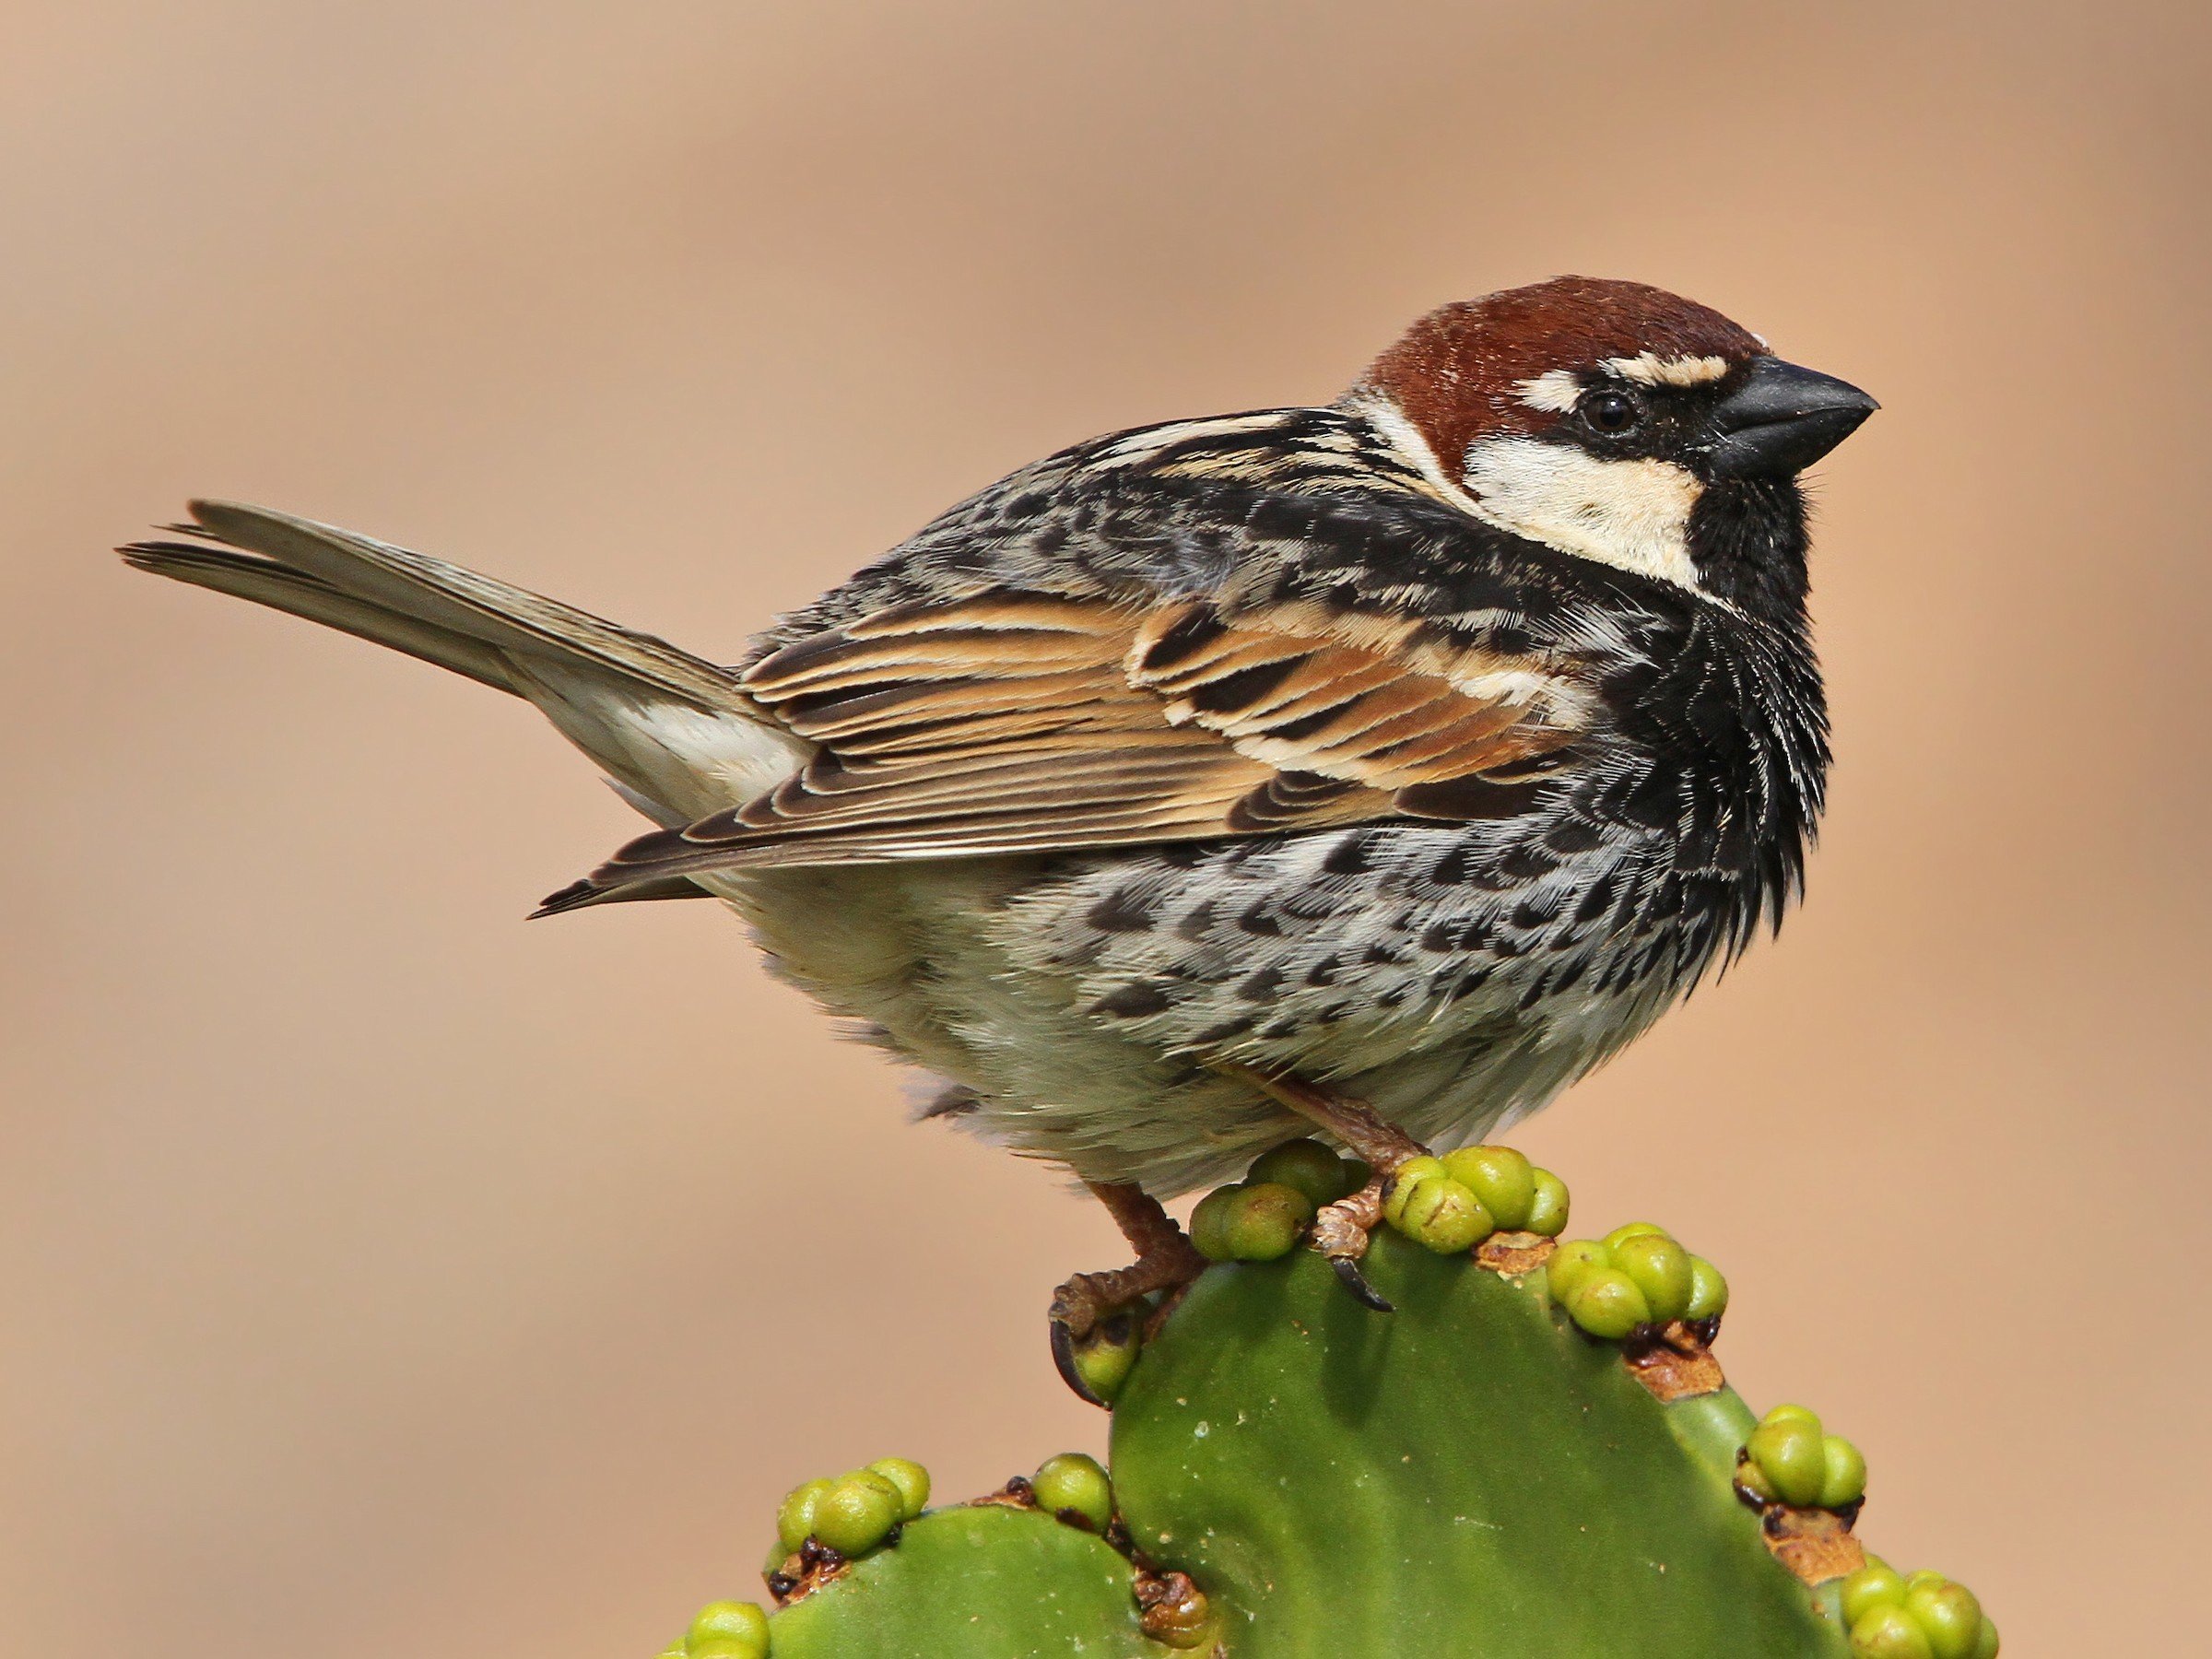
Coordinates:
(1611,413)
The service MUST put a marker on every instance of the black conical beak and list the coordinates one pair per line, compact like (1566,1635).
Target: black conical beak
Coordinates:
(1781,419)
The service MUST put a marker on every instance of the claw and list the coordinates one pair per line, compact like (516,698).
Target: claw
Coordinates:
(1352,1278)
(1064,1361)
(1095,1332)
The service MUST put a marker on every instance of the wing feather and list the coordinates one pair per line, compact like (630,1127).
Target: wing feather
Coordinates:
(1019,721)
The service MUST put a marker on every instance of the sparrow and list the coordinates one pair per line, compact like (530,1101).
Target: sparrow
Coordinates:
(1379,767)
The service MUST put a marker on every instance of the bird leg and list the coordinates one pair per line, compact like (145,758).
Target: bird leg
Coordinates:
(1341,1230)
(1165,1261)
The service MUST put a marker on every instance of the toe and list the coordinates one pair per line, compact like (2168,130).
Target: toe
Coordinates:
(1340,1228)
(1340,1233)
(1076,1306)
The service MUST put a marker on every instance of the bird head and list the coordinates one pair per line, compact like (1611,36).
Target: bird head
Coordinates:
(1616,422)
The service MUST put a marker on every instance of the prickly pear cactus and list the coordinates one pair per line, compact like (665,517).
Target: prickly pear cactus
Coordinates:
(1533,1456)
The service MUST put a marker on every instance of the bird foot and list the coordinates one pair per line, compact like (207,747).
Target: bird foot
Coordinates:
(1341,1230)
(1098,1318)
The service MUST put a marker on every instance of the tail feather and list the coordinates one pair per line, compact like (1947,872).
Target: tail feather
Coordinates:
(415,589)
(677,735)
(264,580)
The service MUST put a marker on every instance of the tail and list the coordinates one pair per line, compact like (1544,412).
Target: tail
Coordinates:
(675,733)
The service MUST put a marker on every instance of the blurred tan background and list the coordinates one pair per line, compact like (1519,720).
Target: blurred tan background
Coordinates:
(380,1275)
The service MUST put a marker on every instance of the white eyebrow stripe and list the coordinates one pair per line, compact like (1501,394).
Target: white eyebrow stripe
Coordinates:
(1649,368)
(1554,393)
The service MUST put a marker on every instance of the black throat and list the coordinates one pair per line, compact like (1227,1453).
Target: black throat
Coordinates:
(1740,710)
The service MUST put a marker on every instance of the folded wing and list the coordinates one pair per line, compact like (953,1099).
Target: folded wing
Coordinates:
(1016,721)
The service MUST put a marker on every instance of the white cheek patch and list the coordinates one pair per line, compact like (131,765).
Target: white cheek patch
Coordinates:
(1649,368)
(1633,515)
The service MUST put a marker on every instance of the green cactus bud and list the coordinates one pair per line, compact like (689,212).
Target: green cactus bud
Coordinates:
(1949,1616)
(1792,1454)
(910,1479)
(1104,1356)
(1633,1230)
(880,1481)
(1792,1414)
(1661,1269)
(723,1649)
(1210,1222)
(1927,1578)
(1262,1223)
(678,1652)
(1401,1181)
(1844,1480)
(1876,1584)
(1357,1173)
(1177,1614)
(741,1627)
(1708,1291)
(1573,1262)
(1754,1480)
(1547,1205)
(1986,1644)
(1890,1632)
(795,1519)
(856,1513)
(1503,1180)
(1443,1214)
(1606,1303)
(1074,1484)
(1307,1165)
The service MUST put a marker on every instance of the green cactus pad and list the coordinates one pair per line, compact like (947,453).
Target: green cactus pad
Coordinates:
(987,1581)
(1493,1472)
(1471,1474)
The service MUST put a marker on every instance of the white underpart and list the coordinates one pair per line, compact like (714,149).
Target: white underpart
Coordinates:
(1649,368)
(1632,514)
